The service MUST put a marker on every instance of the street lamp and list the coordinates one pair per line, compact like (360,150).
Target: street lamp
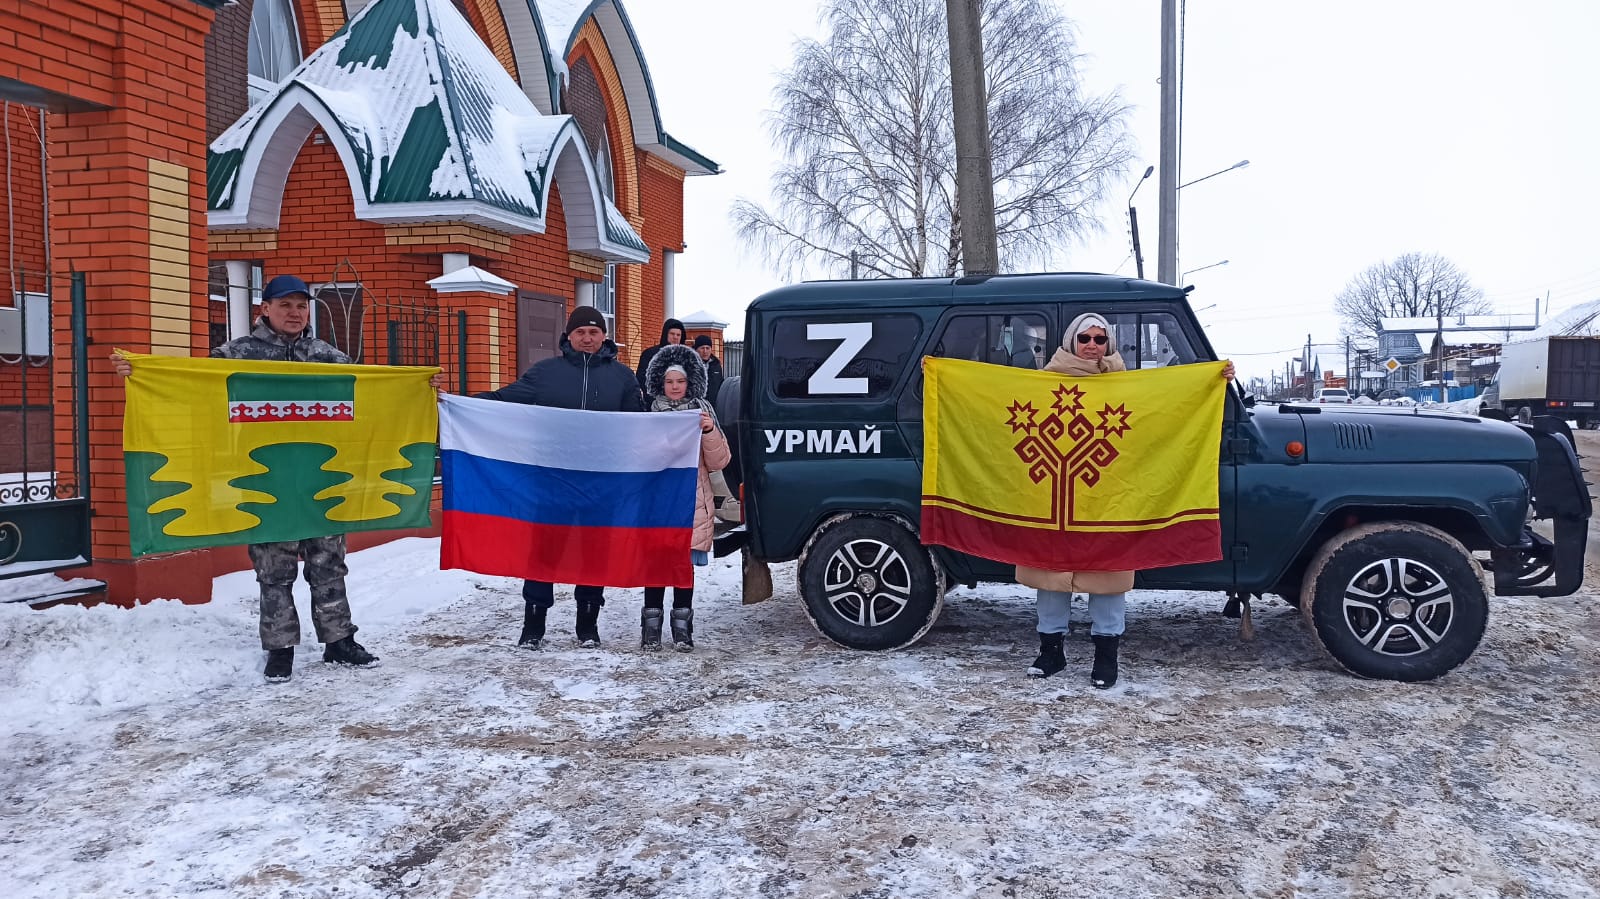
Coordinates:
(1167,255)
(1133,220)
(1238,165)
(1200,269)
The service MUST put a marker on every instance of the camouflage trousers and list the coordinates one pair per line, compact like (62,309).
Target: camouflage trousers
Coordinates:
(277,564)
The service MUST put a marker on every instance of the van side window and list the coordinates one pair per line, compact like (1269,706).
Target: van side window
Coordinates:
(1150,339)
(846,356)
(1015,339)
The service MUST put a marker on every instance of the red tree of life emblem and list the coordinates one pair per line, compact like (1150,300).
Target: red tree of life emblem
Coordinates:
(1067,448)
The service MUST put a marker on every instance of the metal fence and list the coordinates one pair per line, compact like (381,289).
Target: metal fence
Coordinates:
(371,327)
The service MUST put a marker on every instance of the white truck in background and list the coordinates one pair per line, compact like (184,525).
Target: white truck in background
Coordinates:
(1553,371)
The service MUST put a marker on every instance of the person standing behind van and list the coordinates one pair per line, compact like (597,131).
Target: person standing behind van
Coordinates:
(1086,349)
(702,345)
(671,335)
(677,379)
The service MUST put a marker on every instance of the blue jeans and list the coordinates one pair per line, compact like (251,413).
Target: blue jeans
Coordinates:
(1108,613)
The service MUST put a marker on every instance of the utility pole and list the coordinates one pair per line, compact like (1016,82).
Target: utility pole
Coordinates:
(1138,257)
(1307,367)
(980,251)
(1167,251)
(1438,347)
(1347,379)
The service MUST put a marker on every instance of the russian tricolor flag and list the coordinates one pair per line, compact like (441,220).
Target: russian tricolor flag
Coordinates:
(568,497)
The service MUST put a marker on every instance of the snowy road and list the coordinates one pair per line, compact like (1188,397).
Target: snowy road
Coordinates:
(141,756)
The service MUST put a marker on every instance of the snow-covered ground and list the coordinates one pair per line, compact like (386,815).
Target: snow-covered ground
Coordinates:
(141,755)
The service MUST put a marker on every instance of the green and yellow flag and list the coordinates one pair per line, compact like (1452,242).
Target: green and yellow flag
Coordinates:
(1113,472)
(225,451)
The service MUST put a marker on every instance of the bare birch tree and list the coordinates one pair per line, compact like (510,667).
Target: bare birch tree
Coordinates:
(864,121)
(1415,285)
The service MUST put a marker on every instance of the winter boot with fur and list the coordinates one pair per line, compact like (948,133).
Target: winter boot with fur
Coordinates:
(683,629)
(1104,673)
(280,665)
(348,652)
(650,629)
(588,624)
(1051,658)
(532,627)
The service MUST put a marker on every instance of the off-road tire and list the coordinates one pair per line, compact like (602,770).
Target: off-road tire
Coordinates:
(904,587)
(1395,601)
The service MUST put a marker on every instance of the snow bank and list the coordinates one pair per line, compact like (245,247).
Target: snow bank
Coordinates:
(62,667)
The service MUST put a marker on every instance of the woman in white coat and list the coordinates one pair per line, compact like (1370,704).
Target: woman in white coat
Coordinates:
(1086,349)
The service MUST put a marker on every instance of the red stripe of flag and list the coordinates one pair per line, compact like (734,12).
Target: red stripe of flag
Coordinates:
(566,554)
(1183,543)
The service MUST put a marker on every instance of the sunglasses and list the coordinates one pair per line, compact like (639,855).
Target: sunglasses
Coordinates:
(1097,338)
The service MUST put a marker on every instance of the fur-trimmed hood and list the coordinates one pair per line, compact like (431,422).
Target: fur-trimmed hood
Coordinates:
(655,377)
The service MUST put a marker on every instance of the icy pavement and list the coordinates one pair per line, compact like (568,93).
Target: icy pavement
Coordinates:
(141,755)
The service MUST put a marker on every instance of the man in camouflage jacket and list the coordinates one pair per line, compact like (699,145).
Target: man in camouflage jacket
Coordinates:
(281,335)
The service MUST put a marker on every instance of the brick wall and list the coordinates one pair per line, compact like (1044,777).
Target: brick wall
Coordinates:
(227,67)
(127,81)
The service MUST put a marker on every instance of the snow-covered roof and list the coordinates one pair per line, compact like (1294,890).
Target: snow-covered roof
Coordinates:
(1468,338)
(429,126)
(1510,321)
(1582,320)
(563,19)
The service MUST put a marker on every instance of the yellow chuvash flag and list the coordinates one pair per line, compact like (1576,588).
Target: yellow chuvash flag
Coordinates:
(227,451)
(1111,472)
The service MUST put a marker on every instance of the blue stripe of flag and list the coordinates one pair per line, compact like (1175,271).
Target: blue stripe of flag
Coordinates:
(558,496)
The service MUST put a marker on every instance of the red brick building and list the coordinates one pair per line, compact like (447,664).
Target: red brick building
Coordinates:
(451,176)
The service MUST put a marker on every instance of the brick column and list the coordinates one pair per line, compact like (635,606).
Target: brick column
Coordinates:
(488,302)
(127,208)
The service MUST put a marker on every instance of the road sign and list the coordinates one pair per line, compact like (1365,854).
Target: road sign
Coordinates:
(1391,365)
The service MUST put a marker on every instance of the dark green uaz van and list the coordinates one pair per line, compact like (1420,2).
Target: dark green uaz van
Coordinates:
(1384,525)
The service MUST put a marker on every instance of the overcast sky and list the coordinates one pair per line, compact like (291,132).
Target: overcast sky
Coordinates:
(1466,128)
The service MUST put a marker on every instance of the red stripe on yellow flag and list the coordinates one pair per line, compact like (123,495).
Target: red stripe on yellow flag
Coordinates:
(1113,472)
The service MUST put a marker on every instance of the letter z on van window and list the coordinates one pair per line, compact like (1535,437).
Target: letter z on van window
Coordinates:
(845,359)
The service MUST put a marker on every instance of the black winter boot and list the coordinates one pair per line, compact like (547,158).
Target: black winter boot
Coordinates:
(588,625)
(1104,673)
(348,652)
(683,629)
(1051,659)
(650,629)
(532,627)
(280,665)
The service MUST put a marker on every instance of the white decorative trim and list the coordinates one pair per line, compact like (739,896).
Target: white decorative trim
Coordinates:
(703,319)
(472,280)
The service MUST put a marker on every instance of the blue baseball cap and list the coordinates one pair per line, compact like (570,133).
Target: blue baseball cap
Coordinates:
(283,286)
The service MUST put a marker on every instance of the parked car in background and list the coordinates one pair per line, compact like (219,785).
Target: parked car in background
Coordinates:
(1333,395)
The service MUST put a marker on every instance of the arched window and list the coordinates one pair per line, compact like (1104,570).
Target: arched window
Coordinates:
(585,103)
(274,47)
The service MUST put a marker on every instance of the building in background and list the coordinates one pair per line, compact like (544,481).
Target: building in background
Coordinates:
(451,176)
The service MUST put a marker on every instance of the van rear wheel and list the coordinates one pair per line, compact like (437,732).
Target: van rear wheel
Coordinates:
(868,583)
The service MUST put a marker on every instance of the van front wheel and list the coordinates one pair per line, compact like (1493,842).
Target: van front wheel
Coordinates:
(868,583)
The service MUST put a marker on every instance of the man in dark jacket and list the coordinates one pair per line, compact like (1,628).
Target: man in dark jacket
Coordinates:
(702,345)
(586,375)
(282,335)
(671,332)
